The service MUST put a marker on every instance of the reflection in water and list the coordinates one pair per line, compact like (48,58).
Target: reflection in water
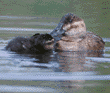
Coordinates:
(70,69)
(69,62)
(75,62)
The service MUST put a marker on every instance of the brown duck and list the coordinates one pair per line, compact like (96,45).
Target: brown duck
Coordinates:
(73,35)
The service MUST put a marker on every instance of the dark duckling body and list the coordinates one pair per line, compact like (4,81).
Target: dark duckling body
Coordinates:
(37,43)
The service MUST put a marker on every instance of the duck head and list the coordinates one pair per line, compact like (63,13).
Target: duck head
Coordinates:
(69,25)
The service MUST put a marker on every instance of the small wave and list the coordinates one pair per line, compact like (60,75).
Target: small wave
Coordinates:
(97,59)
(23,29)
(50,77)
(10,88)
(106,39)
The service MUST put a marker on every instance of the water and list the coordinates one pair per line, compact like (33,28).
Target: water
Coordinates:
(59,72)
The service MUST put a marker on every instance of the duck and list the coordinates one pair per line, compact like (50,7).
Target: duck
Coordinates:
(71,35)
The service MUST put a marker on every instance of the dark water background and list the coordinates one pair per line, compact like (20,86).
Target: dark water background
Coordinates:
(63,72)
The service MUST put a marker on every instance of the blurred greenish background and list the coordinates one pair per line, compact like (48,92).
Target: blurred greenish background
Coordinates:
(92,11)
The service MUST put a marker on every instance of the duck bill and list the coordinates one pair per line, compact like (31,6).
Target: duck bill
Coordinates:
(57,32)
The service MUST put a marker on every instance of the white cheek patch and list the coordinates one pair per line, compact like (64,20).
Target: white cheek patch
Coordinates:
(74,23)
(66,27)
(77,23)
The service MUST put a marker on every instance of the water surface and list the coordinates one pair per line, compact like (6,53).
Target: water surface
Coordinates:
(62,72)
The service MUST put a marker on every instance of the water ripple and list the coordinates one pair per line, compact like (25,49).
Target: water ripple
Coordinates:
(23,29)
(50,77)
(7,88)
(98,59)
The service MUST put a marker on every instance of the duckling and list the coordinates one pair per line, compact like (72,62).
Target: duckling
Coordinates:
(38,43)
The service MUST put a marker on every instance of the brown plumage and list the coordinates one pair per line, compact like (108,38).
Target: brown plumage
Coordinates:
(76,38)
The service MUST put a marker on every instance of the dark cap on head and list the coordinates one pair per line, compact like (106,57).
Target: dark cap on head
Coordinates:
(69,18)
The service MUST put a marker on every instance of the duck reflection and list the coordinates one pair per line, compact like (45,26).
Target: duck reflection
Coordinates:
(71,62)
(75,61)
